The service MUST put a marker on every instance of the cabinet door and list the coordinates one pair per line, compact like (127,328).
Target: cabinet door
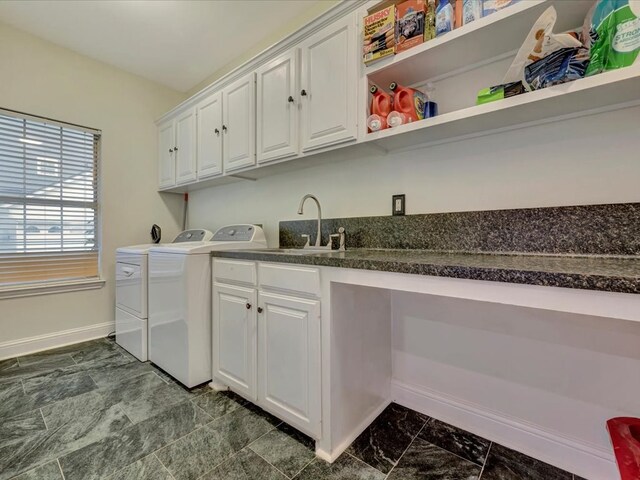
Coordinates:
(209,151)
(166,146)
(289,360)
(185,152)
(239,127)
(329,85)
(234,338)
(277,108)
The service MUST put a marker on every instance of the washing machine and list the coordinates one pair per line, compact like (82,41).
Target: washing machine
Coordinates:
(131,291)
(180,302)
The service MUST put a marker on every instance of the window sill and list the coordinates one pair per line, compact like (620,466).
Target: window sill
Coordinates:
(49,288)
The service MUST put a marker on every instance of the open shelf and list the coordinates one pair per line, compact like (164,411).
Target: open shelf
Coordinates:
(606,91)
(487,38)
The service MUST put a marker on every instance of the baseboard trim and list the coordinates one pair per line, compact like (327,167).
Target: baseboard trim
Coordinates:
(333,455)
(569,454)
(24,346)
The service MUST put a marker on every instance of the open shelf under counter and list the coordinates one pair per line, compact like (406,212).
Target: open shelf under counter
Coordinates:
(606,91)
(495,35)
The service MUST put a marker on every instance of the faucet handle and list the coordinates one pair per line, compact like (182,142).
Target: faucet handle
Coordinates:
(304,235)
(342,235)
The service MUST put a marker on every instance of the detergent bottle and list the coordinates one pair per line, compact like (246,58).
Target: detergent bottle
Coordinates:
(408,101)
(381,107)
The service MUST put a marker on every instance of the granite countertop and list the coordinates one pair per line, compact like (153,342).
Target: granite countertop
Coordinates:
(603,273)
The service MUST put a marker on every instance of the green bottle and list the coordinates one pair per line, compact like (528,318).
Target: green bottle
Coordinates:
(615,33)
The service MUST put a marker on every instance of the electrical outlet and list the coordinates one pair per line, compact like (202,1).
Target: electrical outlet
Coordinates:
(397,205)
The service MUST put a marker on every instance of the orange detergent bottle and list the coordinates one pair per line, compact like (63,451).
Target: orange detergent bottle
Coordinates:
(381,105)
(408,101)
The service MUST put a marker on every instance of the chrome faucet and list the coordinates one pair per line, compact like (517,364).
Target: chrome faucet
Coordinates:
(318,246)
(301,211)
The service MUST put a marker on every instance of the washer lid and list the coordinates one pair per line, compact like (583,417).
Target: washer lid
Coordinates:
(189,237)
(231,237)
(141,249)
(182,248)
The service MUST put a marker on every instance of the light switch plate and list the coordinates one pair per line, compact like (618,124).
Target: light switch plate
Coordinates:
(397,206)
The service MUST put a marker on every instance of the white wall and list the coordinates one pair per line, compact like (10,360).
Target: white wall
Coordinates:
(314,9)
(562,374)
(588,160)
(40,78)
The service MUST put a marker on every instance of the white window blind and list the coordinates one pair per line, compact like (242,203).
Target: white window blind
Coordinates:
(48,201)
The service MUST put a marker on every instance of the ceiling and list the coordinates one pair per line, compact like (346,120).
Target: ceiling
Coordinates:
(175,43)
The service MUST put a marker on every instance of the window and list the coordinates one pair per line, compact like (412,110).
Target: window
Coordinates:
(48,201)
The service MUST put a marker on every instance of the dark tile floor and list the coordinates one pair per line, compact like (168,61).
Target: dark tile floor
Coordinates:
(92,411)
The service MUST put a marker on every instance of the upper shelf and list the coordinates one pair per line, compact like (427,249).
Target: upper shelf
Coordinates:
(606,91)
(487,38)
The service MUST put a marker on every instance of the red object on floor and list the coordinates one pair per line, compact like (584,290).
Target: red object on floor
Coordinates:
(625,438)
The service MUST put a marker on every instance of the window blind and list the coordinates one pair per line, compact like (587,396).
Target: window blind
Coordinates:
(48,201)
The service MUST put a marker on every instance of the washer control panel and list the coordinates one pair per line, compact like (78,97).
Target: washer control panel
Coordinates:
(235,233)
(196,235)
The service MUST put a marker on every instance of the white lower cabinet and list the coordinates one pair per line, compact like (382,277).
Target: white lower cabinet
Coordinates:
(234,338)
(266,344)
(289,359)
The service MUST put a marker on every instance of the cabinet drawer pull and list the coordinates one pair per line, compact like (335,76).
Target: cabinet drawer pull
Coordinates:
(248,306)
(259,309)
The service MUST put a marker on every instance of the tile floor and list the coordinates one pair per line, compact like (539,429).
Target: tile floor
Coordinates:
(92,411)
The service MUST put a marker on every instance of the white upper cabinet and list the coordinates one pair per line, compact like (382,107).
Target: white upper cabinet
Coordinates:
(185,152)
(166,150)
(303,100)
(277,108)
(328,87)
(209,143)
(239,124)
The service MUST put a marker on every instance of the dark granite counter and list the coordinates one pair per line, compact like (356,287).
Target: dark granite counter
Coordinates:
(603,273)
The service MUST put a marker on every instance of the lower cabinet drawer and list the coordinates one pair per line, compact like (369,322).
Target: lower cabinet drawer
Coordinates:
(290,278)
(234,271)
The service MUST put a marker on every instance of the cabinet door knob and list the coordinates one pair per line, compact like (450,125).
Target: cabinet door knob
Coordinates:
(175,149)
(259,309)
(248,306)
(303,92)
(216,131)
(171,150)
(224,128)
(290,99)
